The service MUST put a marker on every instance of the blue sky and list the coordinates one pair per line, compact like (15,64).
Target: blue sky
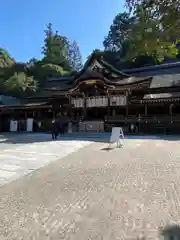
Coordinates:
(22,24)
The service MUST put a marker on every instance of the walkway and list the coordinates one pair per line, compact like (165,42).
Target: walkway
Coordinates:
(21,154)
(128,193)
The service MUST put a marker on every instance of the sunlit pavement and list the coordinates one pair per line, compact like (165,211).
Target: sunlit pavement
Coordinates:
(22,153)
(126,193)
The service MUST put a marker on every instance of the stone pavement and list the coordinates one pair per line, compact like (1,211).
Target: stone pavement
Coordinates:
(127,193)
(21,154)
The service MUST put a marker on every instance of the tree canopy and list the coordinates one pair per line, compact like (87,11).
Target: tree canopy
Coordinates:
(60,57)
(162,18)
(146,31)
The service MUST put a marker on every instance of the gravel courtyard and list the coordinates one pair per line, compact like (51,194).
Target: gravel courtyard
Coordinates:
(21,154)
(127,193)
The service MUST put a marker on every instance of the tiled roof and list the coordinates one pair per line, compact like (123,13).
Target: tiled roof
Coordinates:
(163,69)
(162,95)
(131,80)
(8,100)
(165,75)
(20,105)
(60,83)
(169,80)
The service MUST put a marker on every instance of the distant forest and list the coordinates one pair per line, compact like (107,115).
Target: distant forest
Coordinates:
(145,34)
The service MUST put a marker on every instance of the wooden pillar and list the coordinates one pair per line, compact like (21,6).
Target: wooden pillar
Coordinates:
(127,104)
(85,107)
(109,107)
(53,113)
(25,115)
(145,110)
(13,114)
(33,113)
(69,112)
(171,111)
(37,114)
(69,106)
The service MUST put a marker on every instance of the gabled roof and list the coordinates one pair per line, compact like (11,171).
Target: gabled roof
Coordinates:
(89,72)
(161,76)
(88,75)
(113,69)
(94,61)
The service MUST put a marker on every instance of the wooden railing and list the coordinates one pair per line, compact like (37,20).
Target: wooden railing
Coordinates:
(115,118)
(160,117)
(91,126)
(157,117)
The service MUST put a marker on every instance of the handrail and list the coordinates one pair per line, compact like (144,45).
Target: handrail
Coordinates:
(157,117)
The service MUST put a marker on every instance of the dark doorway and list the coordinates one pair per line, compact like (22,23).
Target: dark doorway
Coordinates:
(94,114)
(22,125)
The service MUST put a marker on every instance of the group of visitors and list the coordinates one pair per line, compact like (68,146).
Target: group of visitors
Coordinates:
(56,129)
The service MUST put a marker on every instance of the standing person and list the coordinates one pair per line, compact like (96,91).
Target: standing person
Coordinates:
(60,129)
(54,130)
(132,127)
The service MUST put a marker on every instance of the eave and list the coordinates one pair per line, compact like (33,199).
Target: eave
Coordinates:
(159,100)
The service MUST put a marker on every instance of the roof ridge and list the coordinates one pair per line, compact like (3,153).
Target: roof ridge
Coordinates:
(113,68)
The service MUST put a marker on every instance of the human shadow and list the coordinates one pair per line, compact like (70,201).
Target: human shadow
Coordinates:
(107,149)
(171,232)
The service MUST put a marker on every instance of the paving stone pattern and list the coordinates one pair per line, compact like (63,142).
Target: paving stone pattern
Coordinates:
(127,193)
(22,158)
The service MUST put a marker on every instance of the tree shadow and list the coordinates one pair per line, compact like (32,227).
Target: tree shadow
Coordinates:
(26,138)
(171,232)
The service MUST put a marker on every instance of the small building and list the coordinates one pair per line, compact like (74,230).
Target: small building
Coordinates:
(101,96)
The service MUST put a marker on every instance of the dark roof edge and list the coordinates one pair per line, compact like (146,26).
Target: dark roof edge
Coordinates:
(154,67)
(103,62)
(108,65)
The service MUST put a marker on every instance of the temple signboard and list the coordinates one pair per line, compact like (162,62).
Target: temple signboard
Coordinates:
(90,81)
(77,102)
(119,100)
(97,102)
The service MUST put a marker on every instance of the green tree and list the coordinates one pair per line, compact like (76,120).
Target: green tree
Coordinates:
(21,85)
(32,62)
(55,49)
(24,79)
(74,57)
(116,43)
(148,36)
(138,36)
(5,59)
(144,34)
(118,32)
(167,14)
(6,62)
(51,70)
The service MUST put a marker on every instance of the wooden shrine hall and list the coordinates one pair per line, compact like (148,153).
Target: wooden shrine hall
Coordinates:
(144,100)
